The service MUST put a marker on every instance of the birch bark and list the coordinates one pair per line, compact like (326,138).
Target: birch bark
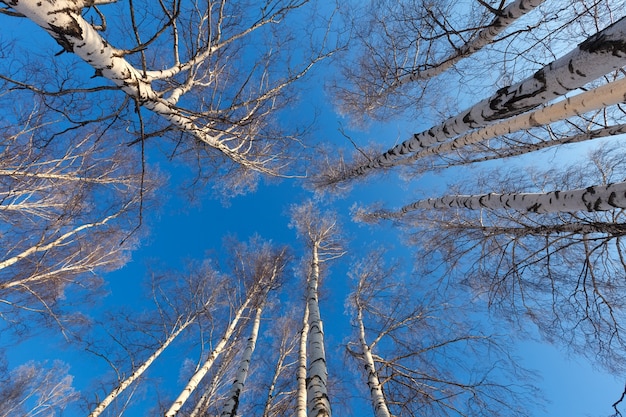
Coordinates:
(139,371)
(64,22)
(208,363)
(507,16)
(594,198)
(376,391)
(597,56)
(301,374)
(517,150)
(598,98)
(232,403)
(317,394)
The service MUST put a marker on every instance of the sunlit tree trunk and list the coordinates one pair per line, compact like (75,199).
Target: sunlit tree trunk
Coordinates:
(317,394)
(208,363)
(232,403)
(521,149)
(65,23)
(139,371)
(593,198)
(301,374)
(505,18)
(597,56)
(379,403)
(598,98)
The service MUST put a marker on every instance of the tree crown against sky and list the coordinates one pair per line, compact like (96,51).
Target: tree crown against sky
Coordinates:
(106,99)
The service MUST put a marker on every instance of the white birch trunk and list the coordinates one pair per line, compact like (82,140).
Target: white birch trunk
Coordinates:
(301,375)
(317,395)
(594,198)
(206,366)
(598,98)
(376,391)
(232,403)
(508,15)
(610,229)
(597,56)
(64,22)
(60,241)
(139,371)
(513,151)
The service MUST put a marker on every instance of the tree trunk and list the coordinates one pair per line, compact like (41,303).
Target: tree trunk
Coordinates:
(64,22)
(594,198)
(376,390)
(597,56)
(232,403)
(139,371)
(507,16)
(301,375)
(197,377)
(317,395)
(517,150)
(598,98)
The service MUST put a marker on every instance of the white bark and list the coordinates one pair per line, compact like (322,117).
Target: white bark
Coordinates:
(41,247)
(317,394)
(301,374)
(208,363)
(139,371)
(594,198)
(376,391)
(597,56)
(64,22)
(508,15)
(598,98)
(521,149)
(232,403)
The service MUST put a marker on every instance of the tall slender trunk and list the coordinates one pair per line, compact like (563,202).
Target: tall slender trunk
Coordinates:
(317,395)
(593,198)
(202,404)
(41,247)
(598,55)
(506,17)
(301,374)
(609,229)
(598,98)
(517,150)
(232,403)
(208,363)
(379,403)
(139,371)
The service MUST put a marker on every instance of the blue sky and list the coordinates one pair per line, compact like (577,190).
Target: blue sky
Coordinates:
(180,230)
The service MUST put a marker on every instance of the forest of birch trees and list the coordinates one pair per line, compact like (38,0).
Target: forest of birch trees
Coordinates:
(387,199)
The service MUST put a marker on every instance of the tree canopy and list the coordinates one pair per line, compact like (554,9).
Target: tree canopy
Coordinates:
(199,216)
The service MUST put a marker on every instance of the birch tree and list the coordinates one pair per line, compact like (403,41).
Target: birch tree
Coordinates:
(319,231)
(421,355)
(181,301)
(68,210)
(408,41)
(215,76)
(267,267)
(258,267)
(507,110)
(561,269)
